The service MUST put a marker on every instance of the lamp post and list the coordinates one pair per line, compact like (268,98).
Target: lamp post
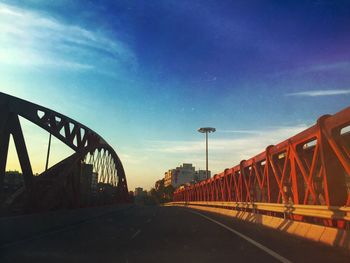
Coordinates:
(206,130)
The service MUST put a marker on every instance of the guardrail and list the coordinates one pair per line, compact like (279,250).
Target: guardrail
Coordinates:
(310,168)
(322,212)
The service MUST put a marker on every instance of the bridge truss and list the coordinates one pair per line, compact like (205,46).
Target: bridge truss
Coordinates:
(311,168)
(62,184)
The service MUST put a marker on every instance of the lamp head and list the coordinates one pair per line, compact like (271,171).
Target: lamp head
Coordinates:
(206,129)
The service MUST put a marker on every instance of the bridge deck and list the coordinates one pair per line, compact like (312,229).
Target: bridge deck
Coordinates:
(163,234)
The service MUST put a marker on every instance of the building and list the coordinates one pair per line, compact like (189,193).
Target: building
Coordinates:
(201,175)
(159,185)
(139,192)
(85,183)
(94,183)
(140,195)
(170,177)
(184,174)
(13,180)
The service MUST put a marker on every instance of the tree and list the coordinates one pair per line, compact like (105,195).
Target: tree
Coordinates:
(161,194)
(168,193)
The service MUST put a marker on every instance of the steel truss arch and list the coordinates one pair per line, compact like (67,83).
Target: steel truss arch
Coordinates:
(81,139)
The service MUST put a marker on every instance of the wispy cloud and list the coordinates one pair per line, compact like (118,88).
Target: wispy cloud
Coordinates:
(328,66)
(211,79)
(223,153)
(317,93)
(31,38)
(30,58)
(239,131)
(338,66)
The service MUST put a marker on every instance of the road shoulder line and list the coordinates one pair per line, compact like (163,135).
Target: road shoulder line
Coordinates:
(248,239)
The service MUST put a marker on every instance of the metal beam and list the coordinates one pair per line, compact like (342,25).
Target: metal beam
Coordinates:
(21,148)
(4,145)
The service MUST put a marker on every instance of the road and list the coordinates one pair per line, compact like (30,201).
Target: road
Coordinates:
(166,234)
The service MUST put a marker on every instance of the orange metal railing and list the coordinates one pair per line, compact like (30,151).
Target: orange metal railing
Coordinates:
(310,168)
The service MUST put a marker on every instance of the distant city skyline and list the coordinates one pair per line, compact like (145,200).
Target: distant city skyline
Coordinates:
(146,75)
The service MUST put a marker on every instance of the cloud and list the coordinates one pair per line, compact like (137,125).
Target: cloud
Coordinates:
(339,66)
(317,93)
(29,58)
(223,153)
(31,38)
(211,79)
(330,66)
(239,131)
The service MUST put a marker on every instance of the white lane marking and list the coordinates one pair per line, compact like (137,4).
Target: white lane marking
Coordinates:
(255,243)
(135,235)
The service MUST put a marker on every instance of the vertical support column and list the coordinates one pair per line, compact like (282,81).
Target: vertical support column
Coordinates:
(334,175)
(48,153)
(244,191)
(4,145)
(16,131)
(271,177)
(294,176)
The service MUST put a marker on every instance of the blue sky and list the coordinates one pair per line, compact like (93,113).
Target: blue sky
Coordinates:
(146,74)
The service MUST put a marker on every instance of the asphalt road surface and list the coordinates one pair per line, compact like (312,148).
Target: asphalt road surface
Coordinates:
(166,234)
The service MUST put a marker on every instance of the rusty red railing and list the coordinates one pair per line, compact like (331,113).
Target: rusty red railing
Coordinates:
(310,168)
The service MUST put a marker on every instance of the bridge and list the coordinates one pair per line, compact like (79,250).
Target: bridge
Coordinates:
(290,203)
(61,186)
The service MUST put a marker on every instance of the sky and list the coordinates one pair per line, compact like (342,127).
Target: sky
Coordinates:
(146,75)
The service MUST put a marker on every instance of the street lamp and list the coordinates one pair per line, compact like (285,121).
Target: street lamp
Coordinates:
(206,130)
